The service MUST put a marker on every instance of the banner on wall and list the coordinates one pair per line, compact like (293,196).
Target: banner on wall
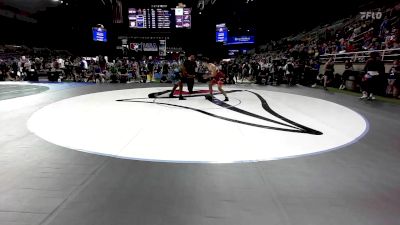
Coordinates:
(99,34)
(222,33)
(135,46)
(240,40)
(163,48)
(150,47)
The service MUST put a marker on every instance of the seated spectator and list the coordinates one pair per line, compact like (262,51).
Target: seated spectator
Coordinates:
(114,77)
(263,77)
(123,73)
(100,75)
(309,75)
(144,73)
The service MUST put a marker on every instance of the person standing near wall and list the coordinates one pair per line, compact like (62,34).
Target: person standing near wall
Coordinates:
(150,68)
(348,71)
(374,69)
(289,71)
(394,80)
(329,70)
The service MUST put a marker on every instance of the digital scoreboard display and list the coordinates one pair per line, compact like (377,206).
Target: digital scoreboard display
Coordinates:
(159,18)
(222,33)
(163,19)
(183,18)
(139,18)
(99,34)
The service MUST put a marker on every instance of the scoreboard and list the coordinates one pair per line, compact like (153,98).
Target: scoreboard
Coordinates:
(163,19)
(140,18)
(183,18)
(222,33)
(159,18)
(99,34)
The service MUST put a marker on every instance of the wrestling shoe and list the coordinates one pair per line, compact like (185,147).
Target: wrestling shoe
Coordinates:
(364,96)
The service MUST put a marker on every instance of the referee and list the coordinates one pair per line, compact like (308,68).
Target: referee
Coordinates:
(189,71)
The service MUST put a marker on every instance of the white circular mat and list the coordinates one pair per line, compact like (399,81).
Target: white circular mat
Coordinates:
(254,126)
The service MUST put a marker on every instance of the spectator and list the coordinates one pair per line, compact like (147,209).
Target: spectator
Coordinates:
(3,70)
(15,70)
(245,71)
(315,67)
(385,26)
(164,78)
(150,70)
(165,70)
(393,80)
(102,63)
(289,70)
(263,77)
(123,74)
(329,73)
(348,71)
(374,68)
(114,75)
(309,73)
(38,64)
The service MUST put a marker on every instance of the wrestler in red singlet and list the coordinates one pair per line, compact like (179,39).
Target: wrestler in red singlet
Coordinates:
(217,77)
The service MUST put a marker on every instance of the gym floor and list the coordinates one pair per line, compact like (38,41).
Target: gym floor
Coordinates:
(50,179)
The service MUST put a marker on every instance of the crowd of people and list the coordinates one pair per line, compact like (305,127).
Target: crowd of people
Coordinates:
(268,70)
(260,69)
(307,58)
(295,61)
(353,34)
(85,69)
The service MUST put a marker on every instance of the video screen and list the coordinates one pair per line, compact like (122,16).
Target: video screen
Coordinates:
(238,40)
(99,34)
(163,18)
(222,33)
(183,17)
(159,18)
(139,18)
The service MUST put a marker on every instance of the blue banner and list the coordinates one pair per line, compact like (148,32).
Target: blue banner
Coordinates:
(99,34)
(222,33)
(222,36)
(238,40)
